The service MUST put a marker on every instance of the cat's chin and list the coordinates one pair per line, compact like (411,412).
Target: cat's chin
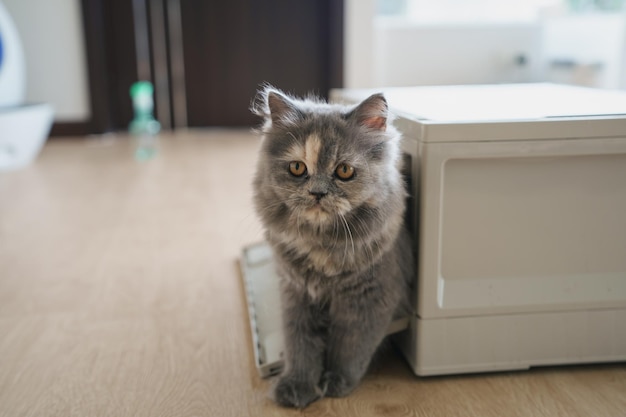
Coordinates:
(317,215)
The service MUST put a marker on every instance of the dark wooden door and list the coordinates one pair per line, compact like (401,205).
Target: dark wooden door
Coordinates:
(228,49)
(231,47)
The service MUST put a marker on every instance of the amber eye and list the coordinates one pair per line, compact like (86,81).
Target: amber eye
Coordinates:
(297,168)
(344,171)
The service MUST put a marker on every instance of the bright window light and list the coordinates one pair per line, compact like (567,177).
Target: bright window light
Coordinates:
(466,11)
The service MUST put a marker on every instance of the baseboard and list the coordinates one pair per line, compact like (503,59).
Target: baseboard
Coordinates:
(71,129)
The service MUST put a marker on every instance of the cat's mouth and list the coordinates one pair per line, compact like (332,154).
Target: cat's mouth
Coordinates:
(317,206)
(325,211)
(316,213)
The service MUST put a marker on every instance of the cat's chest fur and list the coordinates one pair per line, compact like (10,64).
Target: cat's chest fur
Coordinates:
(325,258)
(320,268)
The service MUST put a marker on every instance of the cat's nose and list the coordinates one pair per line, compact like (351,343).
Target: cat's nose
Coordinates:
(318,194)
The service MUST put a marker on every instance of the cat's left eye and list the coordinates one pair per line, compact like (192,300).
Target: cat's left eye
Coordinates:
(297,168)
(344,171)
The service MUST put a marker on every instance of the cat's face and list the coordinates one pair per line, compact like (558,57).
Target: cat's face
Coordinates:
(318,179)
(320,162)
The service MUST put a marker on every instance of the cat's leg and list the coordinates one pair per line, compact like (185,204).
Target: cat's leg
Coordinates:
(298,385)
(356,331)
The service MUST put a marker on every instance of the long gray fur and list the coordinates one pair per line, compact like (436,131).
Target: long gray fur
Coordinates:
(341,249)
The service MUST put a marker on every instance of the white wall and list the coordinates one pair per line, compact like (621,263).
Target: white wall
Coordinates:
(410,53)
(386,51)
(359,43)
(594,44)
(56,70)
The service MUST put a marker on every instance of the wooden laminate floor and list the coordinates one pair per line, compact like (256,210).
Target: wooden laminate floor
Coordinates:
(120,295)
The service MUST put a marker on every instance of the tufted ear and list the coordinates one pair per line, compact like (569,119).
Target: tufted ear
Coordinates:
(283,111)
(278,109)
(372,113)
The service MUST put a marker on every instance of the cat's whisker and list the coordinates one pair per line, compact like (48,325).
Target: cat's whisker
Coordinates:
(336,235)
(365,231)
(336,231)
(345,247)
(350,234)
(278,187)
(368,246)
(298,226)
(279,203)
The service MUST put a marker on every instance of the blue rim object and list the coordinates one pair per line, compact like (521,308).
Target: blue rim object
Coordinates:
(1,51)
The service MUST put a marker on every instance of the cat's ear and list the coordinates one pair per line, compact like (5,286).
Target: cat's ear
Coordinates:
(372,113)
(276,107)
(283,111)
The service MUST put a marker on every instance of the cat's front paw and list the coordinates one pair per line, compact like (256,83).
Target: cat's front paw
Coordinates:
(292,392)
(334,384)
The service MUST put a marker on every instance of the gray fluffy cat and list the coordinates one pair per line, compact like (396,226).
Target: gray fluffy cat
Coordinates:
(331,197)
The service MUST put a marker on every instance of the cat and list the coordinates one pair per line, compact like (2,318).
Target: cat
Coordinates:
(330,195)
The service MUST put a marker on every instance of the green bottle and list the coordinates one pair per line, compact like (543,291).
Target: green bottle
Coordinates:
(144,127)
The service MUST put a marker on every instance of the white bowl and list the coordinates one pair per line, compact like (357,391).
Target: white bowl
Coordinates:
(23,132)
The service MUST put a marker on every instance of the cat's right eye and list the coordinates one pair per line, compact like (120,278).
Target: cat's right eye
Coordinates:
(297,168)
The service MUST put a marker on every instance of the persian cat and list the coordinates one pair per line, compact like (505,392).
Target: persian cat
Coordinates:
(329,193)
